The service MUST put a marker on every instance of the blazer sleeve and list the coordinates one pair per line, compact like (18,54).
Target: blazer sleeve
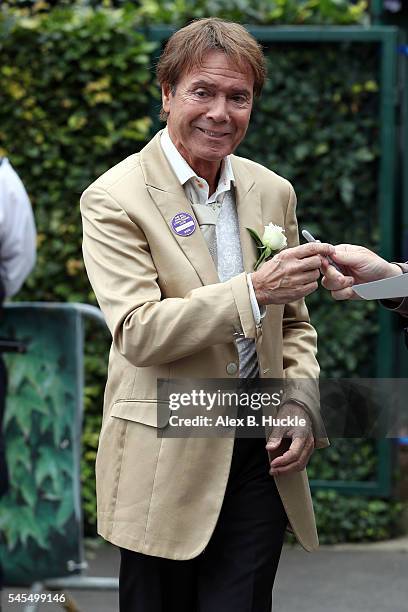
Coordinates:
(146,329)
(399,305)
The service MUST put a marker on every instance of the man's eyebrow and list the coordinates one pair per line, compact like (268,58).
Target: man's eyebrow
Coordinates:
(202,83)
(210,85)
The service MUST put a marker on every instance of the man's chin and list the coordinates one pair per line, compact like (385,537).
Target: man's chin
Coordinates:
(214,154)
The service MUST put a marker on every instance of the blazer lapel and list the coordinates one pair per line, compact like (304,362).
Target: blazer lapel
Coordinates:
(248,201)
(169,197)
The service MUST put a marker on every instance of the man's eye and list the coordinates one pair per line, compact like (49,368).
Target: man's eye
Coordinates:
(240,99)
(200,93)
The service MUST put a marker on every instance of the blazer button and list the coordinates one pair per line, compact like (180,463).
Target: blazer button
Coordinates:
(232,368)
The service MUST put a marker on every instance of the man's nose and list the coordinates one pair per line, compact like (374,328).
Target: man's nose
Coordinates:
(218,110)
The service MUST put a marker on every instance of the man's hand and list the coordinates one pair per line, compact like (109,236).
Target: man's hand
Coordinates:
(301,448)
(290,275)
(358,265)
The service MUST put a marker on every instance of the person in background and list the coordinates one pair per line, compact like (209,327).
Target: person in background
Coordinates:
(360,265)
(17,259)
(17,231)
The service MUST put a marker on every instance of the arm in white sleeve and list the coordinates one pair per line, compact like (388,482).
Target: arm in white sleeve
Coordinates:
(258,312)
(17,231)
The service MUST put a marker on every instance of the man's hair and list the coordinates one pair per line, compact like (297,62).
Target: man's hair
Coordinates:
(187,48)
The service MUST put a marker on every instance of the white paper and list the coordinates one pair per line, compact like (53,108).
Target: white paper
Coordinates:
(394,287)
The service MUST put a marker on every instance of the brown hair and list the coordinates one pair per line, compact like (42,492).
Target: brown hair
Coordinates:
(187,47)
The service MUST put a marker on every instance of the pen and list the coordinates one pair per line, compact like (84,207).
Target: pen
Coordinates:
(308,236)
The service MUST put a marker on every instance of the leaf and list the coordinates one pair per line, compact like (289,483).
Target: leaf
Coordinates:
(22,404)
(65,509)
(28,526)
(346,189)
(16,372)
(52,464)
(20,525)
(301,151)
(46,467)
(364,154)
(28,490)
(17,452)
(256,237)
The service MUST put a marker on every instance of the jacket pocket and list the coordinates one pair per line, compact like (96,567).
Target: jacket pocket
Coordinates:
(148,412)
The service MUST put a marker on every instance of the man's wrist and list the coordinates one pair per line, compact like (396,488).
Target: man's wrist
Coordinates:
(394,270)
(259,293)
(254,302)
(297,404)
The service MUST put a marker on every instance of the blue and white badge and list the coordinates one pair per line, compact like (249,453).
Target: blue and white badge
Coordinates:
(183,224)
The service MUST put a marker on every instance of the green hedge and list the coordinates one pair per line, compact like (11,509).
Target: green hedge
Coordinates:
(321,133)
(76,98)
(177,12)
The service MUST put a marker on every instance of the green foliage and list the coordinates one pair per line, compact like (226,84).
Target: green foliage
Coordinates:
(77,107)
(76,97)
(63,123)
(38,521)
(321,134)
(354,519)
(354,458)
(265,12)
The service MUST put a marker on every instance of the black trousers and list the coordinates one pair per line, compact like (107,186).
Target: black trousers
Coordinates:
(236,571)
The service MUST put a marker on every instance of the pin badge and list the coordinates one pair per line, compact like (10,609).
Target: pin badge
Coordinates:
(183,224)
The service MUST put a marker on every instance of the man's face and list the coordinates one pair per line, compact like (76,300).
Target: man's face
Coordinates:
(209,110)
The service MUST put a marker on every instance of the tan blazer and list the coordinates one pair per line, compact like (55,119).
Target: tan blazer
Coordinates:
(171,317)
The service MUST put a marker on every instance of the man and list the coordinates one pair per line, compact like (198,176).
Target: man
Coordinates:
(199,521)
(360,265)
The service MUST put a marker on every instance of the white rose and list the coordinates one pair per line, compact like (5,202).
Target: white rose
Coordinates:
(274,237)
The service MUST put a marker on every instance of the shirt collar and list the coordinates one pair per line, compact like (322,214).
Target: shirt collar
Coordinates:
(184,172)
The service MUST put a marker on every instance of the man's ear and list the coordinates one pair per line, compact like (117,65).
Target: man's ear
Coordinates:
(166,97)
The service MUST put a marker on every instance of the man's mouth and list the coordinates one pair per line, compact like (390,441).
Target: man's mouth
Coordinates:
(213,134)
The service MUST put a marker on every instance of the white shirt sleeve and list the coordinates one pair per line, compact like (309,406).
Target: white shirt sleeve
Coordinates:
(258,312)
(17,231)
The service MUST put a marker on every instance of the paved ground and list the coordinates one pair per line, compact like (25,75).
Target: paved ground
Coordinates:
(346,578)
(343,580)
